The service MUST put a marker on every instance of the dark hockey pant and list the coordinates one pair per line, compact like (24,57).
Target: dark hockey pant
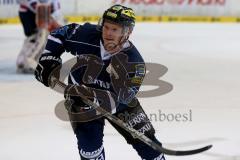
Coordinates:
(28,20)
(90,135)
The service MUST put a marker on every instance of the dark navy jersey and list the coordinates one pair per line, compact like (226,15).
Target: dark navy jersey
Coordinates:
(84,41)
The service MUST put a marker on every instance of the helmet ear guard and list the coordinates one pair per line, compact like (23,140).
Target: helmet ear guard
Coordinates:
(100,24)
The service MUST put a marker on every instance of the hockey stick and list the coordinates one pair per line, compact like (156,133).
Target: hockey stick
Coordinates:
(132,131)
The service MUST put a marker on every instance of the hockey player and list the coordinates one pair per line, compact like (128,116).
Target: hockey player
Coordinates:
(36,34)
(108,45)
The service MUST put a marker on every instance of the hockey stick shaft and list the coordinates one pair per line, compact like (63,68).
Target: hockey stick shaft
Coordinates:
(132,131)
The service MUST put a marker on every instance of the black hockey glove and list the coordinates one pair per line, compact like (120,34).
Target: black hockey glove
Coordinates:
(46,65)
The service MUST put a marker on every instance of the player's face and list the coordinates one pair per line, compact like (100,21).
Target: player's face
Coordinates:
(112,35)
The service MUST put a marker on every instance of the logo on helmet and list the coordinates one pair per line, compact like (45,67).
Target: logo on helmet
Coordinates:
(110,14)
(121,15)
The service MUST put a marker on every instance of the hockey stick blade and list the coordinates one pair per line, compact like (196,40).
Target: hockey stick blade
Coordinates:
(186,152)
(136,134)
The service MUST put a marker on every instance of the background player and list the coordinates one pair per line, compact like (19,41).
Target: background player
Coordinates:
(36,35)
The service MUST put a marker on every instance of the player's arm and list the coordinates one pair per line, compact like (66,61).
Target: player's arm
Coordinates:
(134,80)
(56,19)
(126,77)
(51,57)
(48,16)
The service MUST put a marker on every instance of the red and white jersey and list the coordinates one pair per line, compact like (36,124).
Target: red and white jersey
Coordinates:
(31,5)
(26,5)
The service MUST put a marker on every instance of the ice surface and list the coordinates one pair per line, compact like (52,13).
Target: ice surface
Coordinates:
(203,62)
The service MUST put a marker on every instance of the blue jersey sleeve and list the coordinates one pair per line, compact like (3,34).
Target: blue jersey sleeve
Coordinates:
(136,69)
(128,70)
(56,40)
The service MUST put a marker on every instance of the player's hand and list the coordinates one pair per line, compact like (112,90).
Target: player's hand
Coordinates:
(46,66)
